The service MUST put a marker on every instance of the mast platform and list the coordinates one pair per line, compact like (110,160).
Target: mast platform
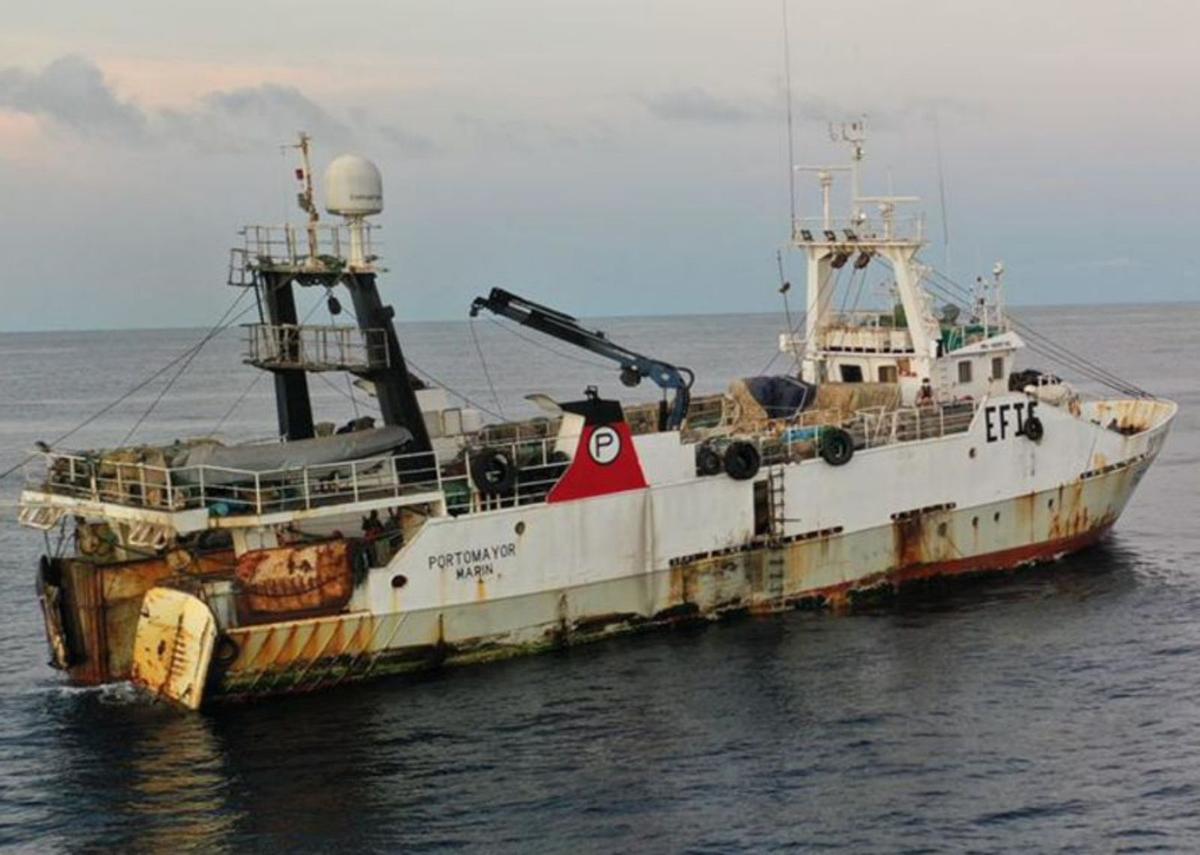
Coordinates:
(281,347)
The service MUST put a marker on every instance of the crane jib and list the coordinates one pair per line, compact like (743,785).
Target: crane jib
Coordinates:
(634,366)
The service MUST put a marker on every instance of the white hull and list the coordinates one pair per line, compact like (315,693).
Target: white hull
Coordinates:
(474,589)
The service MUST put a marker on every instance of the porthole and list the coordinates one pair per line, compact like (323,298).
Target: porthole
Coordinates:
(971,453)
(1050,504)
(941,529)
(975,522)
(519,528)
(996,517)
(399,580)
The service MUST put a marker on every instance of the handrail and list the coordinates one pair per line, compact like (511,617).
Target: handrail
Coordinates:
(316,347)
(229,491)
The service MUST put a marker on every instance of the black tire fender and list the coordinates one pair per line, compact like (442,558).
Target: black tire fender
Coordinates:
(225,651)
(708,462)
(742,460)
(493,471)
(1034,429)
(837,446)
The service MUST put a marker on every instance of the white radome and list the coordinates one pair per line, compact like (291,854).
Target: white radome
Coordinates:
(353,187)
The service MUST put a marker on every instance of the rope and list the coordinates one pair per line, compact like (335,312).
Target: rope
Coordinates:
(351,396)
(236,403)
(430,378)
(221,421)
(836,275)
(572,357)
(216,329)
(960,296)
(1081,363)
(1042,344)
(425,375)
(483,363)
(115,403)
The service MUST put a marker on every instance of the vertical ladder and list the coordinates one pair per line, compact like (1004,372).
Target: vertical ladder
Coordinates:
(776,563)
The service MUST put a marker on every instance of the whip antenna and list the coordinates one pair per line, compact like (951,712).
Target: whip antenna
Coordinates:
(787,85)
(937,143)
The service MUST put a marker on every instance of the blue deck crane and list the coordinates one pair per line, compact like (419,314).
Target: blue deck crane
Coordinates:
(634,366)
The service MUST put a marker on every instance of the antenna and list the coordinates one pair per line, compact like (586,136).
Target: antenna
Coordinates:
(937,142)
(787,78)
(305,197)
(855,133)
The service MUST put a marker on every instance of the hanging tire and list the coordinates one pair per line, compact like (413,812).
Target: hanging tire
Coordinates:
(742,460)
(837,446)
(1034,429)
(494,472)
(708,462)
(225,651)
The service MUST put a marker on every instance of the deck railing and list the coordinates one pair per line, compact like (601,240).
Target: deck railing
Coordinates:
(118,479)
(872,427)
(226,491)
(315,347)
(286,247)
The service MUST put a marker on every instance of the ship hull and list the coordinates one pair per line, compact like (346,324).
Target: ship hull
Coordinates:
(759,578)
(681,548)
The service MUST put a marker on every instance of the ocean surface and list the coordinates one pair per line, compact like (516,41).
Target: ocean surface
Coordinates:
(1053,709)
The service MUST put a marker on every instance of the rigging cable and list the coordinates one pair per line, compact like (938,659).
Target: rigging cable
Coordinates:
(483,363)
(115,403)
(960,296)
(1039,344)
(429,377)
(209,336)
(1050,348)
(260,375)
(570,356)
(785,288)
(820,311)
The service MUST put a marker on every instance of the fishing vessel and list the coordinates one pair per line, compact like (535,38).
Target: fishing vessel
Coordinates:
(899,441)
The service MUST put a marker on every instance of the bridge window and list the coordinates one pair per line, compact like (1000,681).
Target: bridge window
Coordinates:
(964,372)
(887,374)
(997,367)
(852,374)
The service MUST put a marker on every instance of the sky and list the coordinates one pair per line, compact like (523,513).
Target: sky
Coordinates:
(609,158)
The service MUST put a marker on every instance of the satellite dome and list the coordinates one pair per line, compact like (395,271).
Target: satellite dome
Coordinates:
(353,187)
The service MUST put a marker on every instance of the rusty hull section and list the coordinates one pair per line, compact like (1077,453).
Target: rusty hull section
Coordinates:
(92,609)
(822,569)
(173,647)
(293,582)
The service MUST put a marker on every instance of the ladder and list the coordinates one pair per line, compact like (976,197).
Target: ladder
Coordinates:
(776,518)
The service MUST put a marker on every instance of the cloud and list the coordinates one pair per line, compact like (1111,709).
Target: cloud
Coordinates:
(404,141)
(697,105)
(71,92)
(249,117)
(72,95)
